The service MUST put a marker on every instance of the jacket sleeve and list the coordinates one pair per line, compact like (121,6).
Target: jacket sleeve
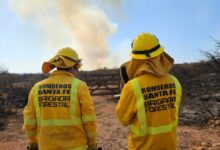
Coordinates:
(126,107)
(30,121)
(88,113)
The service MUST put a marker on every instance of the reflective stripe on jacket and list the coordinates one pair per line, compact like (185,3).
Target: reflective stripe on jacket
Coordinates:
(60,114)
(150,106)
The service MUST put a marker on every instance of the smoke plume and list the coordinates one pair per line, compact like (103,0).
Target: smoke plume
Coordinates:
(80,24)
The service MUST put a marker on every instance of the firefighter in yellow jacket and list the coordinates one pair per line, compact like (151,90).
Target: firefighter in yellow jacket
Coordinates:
(60,112)
(150,99)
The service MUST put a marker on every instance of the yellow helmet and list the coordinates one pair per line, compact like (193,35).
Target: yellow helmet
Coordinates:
(146,46)
(65,58)
(68,53)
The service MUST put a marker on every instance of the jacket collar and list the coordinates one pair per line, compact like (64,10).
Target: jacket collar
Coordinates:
(61,72)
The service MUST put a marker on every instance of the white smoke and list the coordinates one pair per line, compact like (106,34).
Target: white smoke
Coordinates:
(79,24)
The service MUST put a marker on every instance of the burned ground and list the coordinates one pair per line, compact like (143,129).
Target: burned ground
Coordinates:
(199,113)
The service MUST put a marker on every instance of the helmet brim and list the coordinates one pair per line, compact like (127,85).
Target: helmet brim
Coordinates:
(47,67)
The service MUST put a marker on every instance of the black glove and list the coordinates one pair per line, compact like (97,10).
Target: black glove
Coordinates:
(94,148)
(32,147)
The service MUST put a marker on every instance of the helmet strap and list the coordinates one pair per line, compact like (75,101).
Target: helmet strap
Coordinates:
(146,52)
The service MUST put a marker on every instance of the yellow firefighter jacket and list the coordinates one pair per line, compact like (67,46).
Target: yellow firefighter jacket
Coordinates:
(150,106)
(60,114)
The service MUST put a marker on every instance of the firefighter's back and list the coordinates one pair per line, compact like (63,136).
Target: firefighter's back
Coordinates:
(161,99)
(59,112)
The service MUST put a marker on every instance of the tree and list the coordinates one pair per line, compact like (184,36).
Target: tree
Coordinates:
(3,70)
(3,76)
(214,54)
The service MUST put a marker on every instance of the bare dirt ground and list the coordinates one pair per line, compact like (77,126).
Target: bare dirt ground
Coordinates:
(111,135)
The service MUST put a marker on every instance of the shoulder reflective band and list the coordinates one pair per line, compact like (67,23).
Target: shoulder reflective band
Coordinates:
(178,98)
(74,101)
(74,120)
(140,109)
(36,103)
(144,129)
(146,52)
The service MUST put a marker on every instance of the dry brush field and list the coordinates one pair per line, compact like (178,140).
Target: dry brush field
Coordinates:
(199,126)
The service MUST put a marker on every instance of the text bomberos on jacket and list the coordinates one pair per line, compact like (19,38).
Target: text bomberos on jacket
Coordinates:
(54,95)
(159,97)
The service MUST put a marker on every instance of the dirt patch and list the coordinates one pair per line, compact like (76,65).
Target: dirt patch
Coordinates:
(12,137)
(111,135)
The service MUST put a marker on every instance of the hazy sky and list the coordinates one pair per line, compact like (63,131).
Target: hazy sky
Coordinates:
(101,31)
